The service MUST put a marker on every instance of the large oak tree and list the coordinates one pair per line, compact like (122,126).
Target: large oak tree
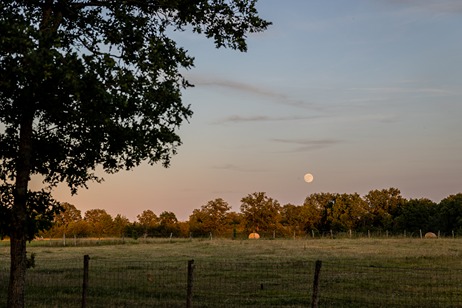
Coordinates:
(87,83)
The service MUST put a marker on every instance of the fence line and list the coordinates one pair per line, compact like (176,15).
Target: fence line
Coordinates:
(300,235)
(222,283)
(376,286)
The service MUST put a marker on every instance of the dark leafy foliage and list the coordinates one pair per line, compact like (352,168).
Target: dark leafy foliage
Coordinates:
(93,83)
(100,81)
(41,209)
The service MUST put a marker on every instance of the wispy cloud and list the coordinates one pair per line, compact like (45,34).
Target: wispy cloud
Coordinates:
(261,118)
(251,89)
(392,118)
(403,90)
(438,6)
(232,167)
(304,145)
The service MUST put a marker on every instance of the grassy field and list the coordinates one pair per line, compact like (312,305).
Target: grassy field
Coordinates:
(258,273)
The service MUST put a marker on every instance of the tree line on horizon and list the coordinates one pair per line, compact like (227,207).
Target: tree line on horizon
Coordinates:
(379,210)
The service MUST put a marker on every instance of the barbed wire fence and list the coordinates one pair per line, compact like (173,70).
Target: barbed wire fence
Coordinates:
(222,283)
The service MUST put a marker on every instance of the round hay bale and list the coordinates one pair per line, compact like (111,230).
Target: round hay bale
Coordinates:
(430,235)
(254,236)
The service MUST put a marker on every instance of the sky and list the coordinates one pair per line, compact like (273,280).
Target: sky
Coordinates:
(361,94)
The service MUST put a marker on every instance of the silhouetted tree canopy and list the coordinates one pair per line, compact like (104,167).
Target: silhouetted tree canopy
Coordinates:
(94,83)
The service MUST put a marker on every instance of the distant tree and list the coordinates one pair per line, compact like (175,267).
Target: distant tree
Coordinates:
(199,223)
(292,219)
(261,213)
(88,83)
(80,228)
(450,214)
(384,206)
(211,218)
(66,219)
(148,221)
(168,224)
(236,222)
(167,218)
(418,215)
(68,214)
(120,224)
(348,212)
(234,218)
(183,229)
(317,210)
(134,230)
(100,222)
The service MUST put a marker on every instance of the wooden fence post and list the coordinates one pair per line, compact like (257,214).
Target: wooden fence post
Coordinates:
(315,297)
(189,295)
(86,262)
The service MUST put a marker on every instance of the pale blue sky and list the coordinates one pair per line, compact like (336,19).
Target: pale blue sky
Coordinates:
(363,94)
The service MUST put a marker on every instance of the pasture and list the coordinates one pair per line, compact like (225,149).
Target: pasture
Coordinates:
(406,272)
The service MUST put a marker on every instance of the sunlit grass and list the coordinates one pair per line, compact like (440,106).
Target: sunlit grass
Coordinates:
(271,273)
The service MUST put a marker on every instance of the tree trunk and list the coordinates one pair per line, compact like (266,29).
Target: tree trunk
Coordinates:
(19,234)
(26,104)
(17,271)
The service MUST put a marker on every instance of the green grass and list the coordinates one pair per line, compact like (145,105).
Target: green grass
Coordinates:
(246,273)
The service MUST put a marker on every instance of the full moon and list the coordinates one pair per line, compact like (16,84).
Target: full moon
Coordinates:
(308,178)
